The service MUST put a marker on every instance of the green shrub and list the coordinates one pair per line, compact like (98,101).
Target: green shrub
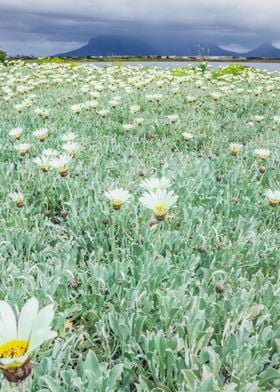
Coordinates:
(232,69)
(54,60)
(179,71)
(3,56)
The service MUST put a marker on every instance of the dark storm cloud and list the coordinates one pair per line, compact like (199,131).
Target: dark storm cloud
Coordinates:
(46,27)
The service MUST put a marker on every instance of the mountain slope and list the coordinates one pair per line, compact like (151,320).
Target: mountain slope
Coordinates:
(265,50)
(109,45)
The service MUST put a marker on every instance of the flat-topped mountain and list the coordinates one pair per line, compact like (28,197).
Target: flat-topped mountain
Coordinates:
(112,45)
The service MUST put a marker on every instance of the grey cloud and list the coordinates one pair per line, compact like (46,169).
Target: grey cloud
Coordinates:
(46,27)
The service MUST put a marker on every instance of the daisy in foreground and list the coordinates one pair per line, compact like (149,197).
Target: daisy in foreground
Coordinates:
(18,339)
(159,202)
(118,196)
(273,197)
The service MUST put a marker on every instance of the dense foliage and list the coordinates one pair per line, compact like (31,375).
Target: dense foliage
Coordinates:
(3,56)
(190,303)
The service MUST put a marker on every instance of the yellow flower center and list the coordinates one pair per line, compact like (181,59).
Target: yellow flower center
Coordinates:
(63,170)
(273,202)
(19,203)
(14,349)
(117,204)
(234,151)
(160,210)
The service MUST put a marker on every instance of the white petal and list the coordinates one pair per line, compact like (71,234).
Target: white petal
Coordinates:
(2,333)
(41,324)
(37,341)
(26,319)
(8,324)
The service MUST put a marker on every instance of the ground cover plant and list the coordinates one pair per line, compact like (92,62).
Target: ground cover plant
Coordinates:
(144,206)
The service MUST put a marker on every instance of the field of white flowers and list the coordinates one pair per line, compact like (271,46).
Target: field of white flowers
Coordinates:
(144,206)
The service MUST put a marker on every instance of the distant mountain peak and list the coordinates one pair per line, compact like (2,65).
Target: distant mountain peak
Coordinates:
(264,50)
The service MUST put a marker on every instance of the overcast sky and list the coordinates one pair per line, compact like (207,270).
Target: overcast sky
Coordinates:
(43,27)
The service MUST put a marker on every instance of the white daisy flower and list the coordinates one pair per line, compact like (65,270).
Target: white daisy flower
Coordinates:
(114,103)
(94,94)
(262,153)
(71,148)
(234,148)
(90,105)
(150,97)
(19,338)
(128,127)
(173,118)
(187,135)
(16,133)
(61,164)
(43,163)
(158,97)
(273,197)
(118,196)
(41,134)
(258,118)
(191,99)
(18,198)
(139,121)
(100,87)
(76,108)
(159,202)
(134,109)
(257,91)
(23,148)
(69,137)
(19,107)
(44,113)
(216,96)
(103,112)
